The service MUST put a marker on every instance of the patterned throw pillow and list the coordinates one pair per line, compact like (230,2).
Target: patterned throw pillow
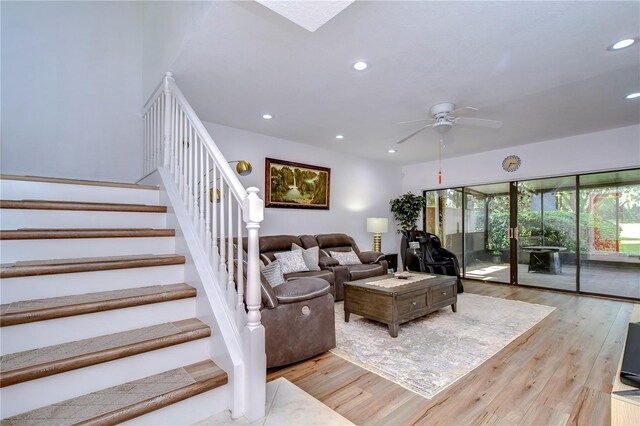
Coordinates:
(273,273)
(311,256)
(291,261)
(346,257)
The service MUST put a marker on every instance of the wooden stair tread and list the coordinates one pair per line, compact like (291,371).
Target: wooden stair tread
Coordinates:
(129,400)
(80,205)
(32,234)
(78,182)
(27,311)
(65,266)
(42,362)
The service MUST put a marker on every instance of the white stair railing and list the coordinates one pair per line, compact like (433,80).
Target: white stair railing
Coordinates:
(218,204)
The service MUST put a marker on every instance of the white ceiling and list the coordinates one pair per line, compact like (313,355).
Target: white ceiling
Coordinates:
(540,67)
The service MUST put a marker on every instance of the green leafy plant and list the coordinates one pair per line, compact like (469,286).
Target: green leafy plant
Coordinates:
(406,209)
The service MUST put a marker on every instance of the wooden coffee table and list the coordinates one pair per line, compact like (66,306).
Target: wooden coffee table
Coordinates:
(401,303)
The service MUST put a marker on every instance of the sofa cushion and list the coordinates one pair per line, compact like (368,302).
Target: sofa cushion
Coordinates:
(358,272)
(346,257)
(325,275)
(273,273)
(301,289)
(272,244)
(334,240)
(311,256)
(291,261)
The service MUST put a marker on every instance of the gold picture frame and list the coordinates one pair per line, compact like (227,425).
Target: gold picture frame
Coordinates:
(296,185)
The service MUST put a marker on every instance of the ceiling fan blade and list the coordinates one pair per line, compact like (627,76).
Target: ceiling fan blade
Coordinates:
(415,121)
(464,110)
(414,133)
(480,122)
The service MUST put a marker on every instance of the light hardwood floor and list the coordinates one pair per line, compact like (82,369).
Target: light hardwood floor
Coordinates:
(559,372)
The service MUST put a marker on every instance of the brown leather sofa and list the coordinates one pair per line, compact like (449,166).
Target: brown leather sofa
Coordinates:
(373,263)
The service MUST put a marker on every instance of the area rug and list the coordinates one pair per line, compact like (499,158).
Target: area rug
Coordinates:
(435,351)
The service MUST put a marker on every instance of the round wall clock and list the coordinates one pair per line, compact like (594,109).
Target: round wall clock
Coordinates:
(511,163)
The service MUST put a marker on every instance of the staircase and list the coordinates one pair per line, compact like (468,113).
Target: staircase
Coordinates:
(97,323)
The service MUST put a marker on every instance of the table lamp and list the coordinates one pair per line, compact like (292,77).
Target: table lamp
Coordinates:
(377,225)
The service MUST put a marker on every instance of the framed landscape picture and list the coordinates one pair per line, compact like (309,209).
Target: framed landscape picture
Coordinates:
(296,185)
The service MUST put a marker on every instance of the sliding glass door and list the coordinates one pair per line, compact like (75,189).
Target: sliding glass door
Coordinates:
(546,254)
(610,233)
(570,233)
(486,224)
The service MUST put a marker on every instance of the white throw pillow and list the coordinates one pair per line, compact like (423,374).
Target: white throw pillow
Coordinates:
(346,257)
(291,261)
(273,273)
(311,256)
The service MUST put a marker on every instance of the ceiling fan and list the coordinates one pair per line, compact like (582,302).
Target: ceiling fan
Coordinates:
(445,115)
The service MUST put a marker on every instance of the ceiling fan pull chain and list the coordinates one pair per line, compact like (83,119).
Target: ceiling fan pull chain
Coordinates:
(440,161)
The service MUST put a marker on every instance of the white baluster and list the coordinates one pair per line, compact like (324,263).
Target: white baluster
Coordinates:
(166,118)
(222,245)
(183,151)
(144,144)
(189,176)
(176,146)
(207,213)
(185,160)
(231,291)
(240,314)
(214,218)
(202,200)
(196,177)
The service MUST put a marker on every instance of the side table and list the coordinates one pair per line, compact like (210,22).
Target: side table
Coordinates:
(392,261)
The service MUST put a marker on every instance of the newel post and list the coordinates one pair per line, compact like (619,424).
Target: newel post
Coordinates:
(166,137)
(253,335)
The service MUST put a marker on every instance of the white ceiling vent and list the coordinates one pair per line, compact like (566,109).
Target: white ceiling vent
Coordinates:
(310,15)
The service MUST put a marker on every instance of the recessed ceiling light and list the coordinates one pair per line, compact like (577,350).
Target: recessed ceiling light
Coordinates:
(339,137)
(633,95)
(360,66)
(267,116)
(392,151)
(623,43)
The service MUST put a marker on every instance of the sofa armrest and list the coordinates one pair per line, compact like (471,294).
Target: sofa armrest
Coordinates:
(327,261)
(301,289)
(371,256)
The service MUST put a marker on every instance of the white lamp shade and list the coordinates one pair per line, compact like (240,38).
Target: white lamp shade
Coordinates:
(377,224)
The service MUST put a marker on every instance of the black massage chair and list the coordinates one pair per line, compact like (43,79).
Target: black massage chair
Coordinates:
(423,252)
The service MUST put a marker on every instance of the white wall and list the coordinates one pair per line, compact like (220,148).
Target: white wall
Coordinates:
(71,89)
(607,150)
(168,26)
(360,188)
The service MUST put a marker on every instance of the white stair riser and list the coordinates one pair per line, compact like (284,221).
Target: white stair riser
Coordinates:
(70,219)
(70,248)
(38,334)
(33,394)
(43,286)
(28,190)
(188,411)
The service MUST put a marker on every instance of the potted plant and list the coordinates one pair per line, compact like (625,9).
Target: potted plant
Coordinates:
(495,253)
(406,210)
